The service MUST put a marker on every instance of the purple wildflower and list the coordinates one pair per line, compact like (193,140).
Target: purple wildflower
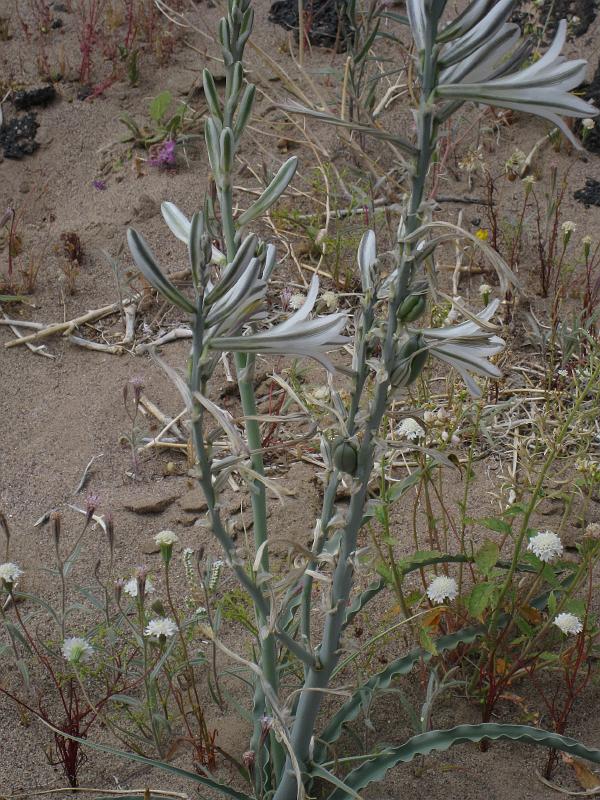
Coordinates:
(99,184)
(163,155)
(92,501)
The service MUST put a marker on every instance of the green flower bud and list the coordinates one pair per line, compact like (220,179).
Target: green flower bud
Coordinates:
(412,308)
(345,456)
(411,357)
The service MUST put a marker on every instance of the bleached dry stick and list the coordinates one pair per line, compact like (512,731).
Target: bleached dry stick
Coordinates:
(78,340)
(115,349)
(170,336)
(12,324)
(130,310)
(153,409)
(66,327)
(158,438)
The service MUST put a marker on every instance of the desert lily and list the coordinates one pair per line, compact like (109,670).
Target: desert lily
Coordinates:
(467,347)
(543,88)
(298,335)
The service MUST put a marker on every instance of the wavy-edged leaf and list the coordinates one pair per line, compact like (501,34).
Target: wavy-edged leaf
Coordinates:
(363,598)
(402,666)
(382,681)
(423,744)
(146,263)
(272,193)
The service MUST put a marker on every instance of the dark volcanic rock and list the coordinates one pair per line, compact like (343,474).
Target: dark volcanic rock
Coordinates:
(325,20)
(26,99)
(590,194)
(17,137)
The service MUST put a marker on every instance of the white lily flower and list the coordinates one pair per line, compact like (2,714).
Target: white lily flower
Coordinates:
(298,335)
(543,88)
(181,226)
(467,347)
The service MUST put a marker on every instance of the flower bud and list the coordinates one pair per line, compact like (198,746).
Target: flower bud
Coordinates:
(412,308)
(165,540)
(411,357)
(345,456)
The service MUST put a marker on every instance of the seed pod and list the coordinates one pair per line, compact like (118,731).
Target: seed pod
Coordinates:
(345,456)
(411,357)
(412,308)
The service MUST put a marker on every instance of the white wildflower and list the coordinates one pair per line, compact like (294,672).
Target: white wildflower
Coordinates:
(442,588)
(159,627)
(296,301)
(410,429)
(568,623)
(568,227)
(331,300)
(321,393)
(588,123)
(75,650)
(10,573)
(166,538)
(131,587)
(546,545)
(485,290)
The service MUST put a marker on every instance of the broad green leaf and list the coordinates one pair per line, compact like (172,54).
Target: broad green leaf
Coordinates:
(486,556)
(480,598)
(158,107)
(495,524)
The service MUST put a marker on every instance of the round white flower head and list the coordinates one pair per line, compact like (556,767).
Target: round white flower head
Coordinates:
(161,626)
(131,587)
(485,289)
(568,623)
(296,301)
(588,123)
(166,538)
(410,429)
(10,573)
(546,545)
(330,299)
(442,588)
(587,241)
(568,227)
(76,650)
